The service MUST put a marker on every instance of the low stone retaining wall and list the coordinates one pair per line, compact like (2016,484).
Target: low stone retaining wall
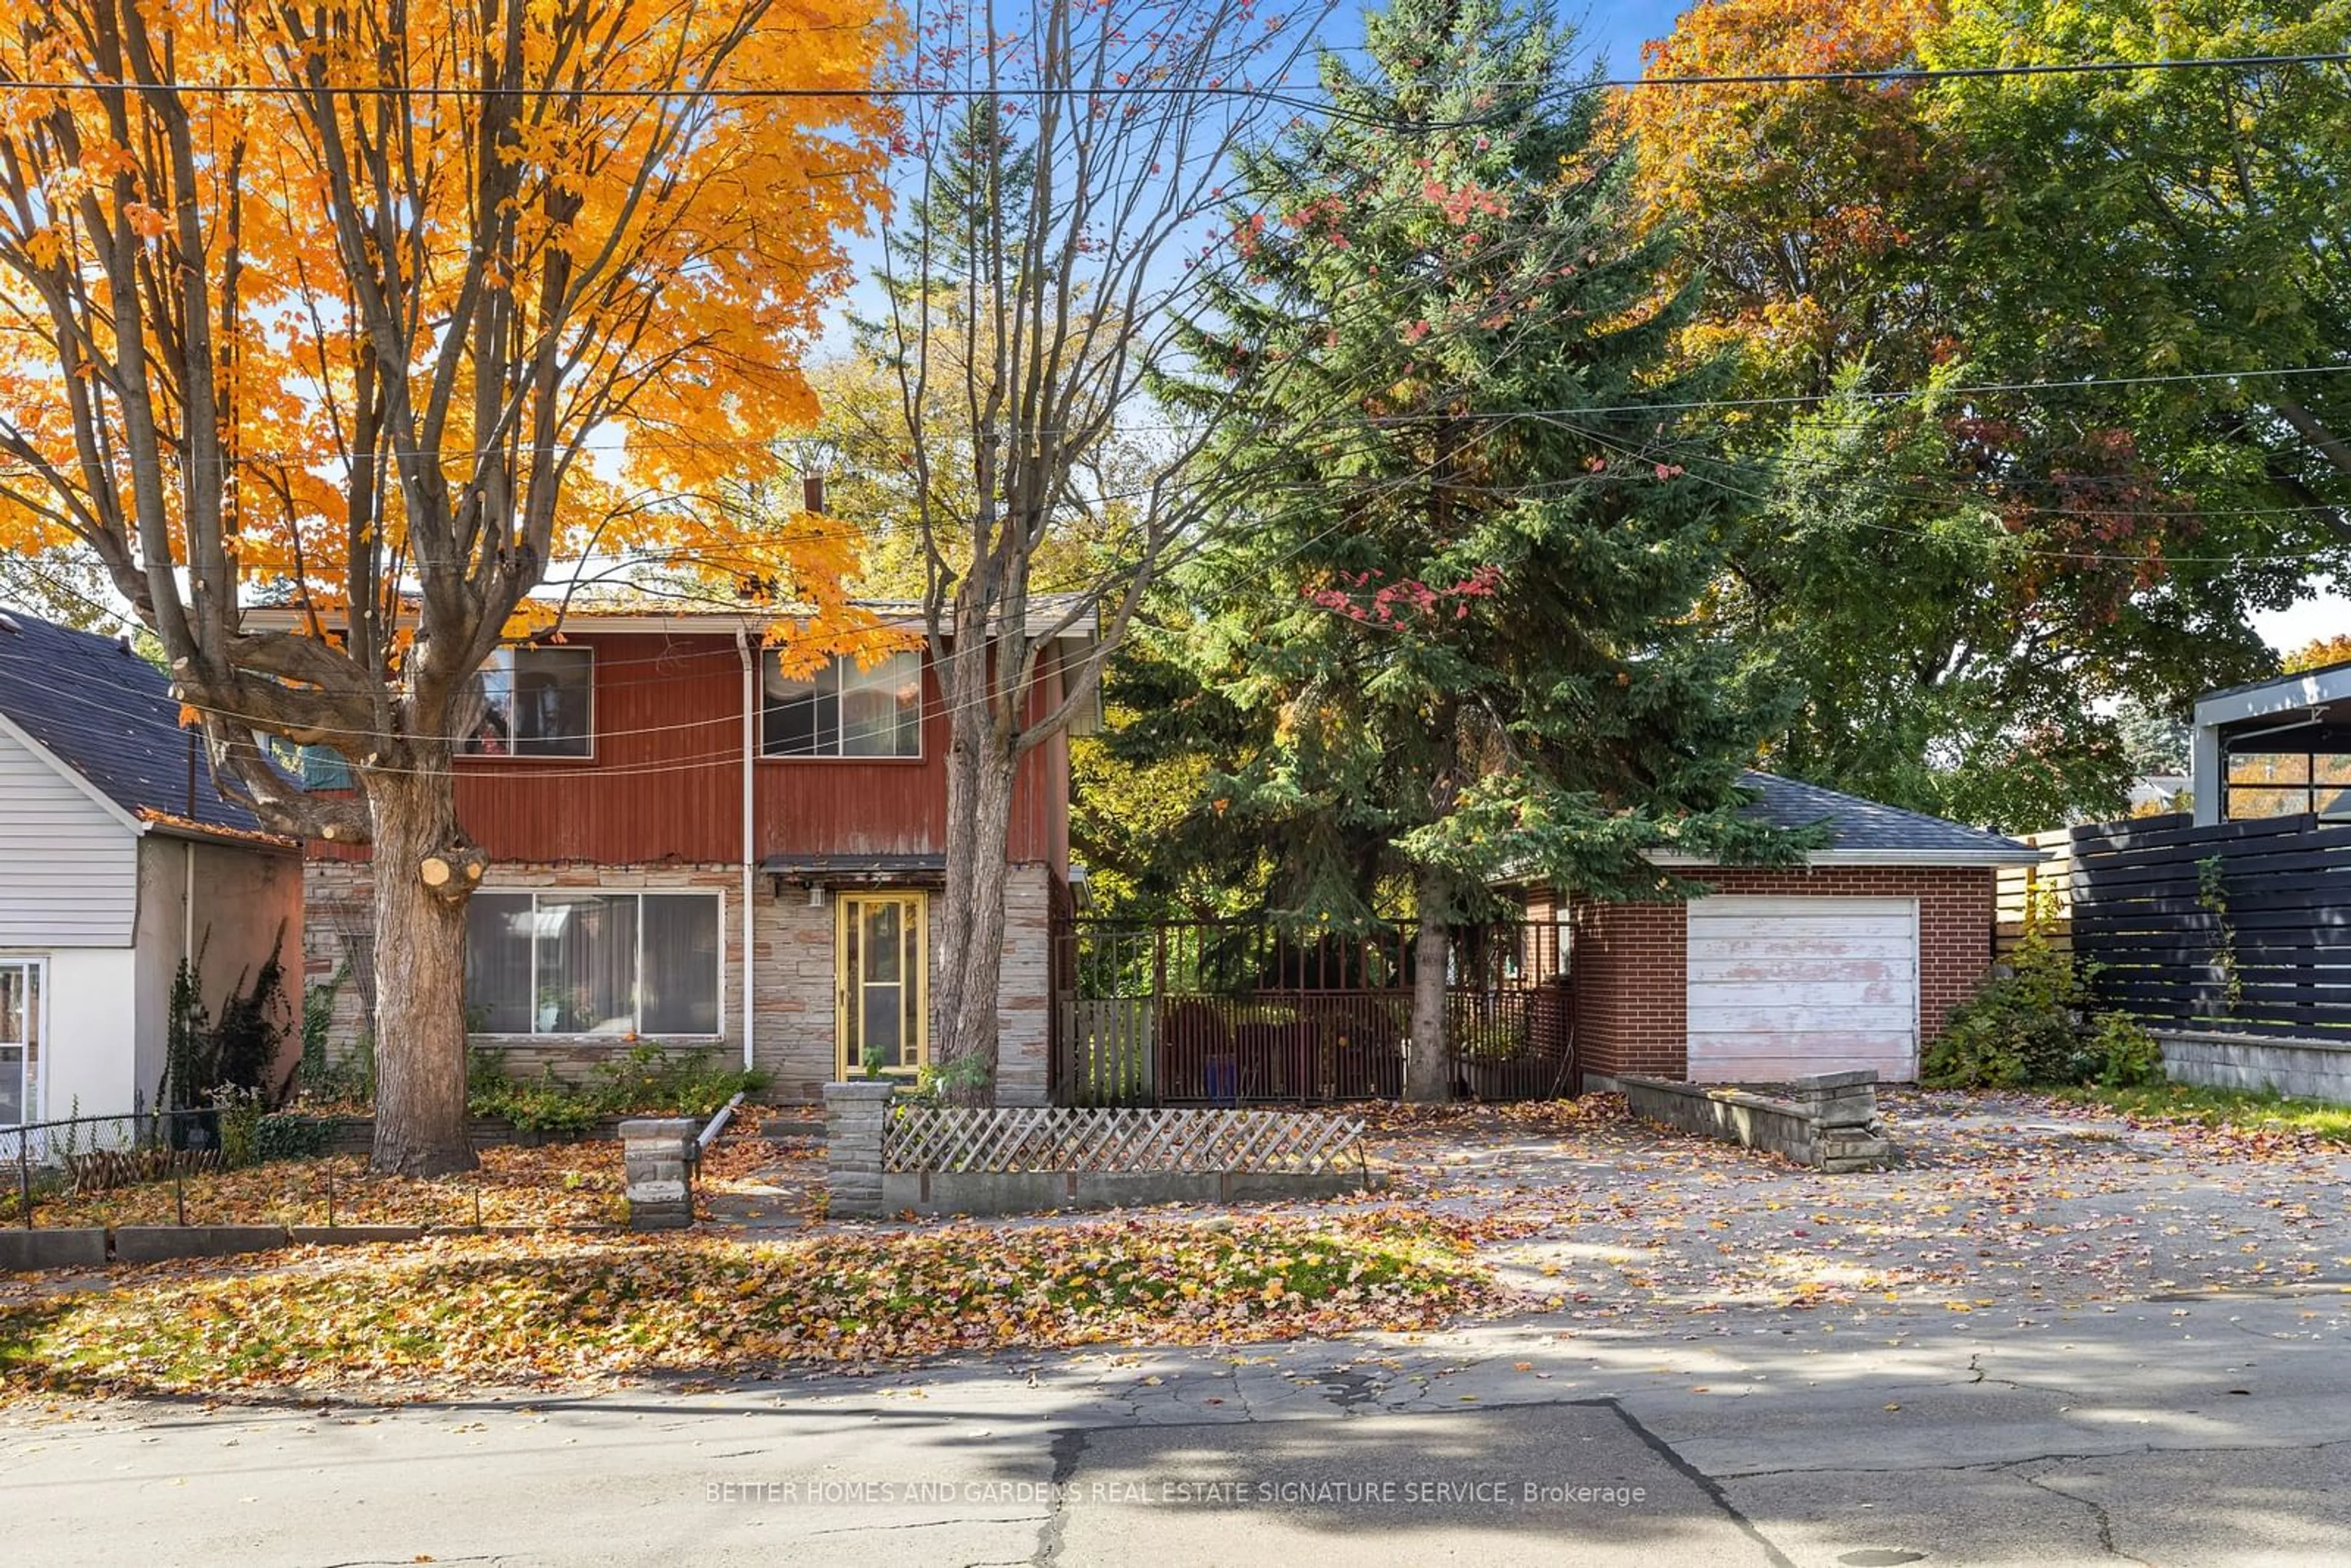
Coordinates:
(1032,1192)
(1828,1122)
(356,1134)
(2306,1068)
(1026,1160)
(93,1246)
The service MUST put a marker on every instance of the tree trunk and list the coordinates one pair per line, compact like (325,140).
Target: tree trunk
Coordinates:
(420,970)
(1426,1078)
(965,992)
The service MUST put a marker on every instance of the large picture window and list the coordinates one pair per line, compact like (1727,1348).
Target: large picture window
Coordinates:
(537,702)
(843,710)
(592,963)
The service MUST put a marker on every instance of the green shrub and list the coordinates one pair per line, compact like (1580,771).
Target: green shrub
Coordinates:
(653,1077)
(2032,1026)
(238,1116)
(2127,1056)
(290,1135)
(2020,1028)
(550,1105)
(649,1078)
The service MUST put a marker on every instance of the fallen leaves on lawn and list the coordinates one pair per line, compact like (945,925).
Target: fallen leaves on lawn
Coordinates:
(554,1184)
(565,1309)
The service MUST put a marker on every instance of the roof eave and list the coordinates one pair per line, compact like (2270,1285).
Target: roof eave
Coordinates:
(164,824)
(1042,619)
(1991,855)
(2286,693)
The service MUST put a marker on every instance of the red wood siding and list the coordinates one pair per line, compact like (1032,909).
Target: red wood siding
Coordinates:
(666,782)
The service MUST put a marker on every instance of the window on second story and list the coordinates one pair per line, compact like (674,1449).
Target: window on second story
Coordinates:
(844,710)
(536,702)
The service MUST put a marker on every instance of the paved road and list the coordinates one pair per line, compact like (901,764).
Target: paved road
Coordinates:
(2213,1428)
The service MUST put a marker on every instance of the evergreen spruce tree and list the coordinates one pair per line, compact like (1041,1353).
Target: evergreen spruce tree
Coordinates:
(1460,617)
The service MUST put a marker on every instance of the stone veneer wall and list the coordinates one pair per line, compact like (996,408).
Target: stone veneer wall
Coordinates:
(793,976)
(2306,1068)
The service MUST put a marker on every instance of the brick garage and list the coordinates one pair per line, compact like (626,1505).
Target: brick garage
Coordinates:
(1882,871)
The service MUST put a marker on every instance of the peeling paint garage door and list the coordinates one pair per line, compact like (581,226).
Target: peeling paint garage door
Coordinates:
(1783,987)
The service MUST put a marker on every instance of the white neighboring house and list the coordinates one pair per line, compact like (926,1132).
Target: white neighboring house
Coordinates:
(118,860)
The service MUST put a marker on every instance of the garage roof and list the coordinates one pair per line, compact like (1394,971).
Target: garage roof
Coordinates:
(1866,832)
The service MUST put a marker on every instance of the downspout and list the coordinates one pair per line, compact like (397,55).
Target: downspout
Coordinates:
(750,848)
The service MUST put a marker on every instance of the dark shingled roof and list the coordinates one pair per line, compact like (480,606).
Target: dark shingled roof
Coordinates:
(1855,824)
(110,716)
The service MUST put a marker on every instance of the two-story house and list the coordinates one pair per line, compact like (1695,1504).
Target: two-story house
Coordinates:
(692,847)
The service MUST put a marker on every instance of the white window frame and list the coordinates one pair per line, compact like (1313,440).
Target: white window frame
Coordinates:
(511,651)
(838,660)
(561,895)
(29,1069)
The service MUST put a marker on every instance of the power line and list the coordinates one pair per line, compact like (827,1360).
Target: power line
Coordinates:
(1645,453)
(1968,73)
(1123,427)
(1282,97)
(1802,400)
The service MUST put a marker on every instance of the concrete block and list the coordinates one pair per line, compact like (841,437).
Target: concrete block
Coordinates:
(1817,1082)
(1270,1187)
(661,1220)
(79,1248)
(656,1192)
(669,1127)
(351,1235)
(775,1129)
(1137,1189)
(155,1243)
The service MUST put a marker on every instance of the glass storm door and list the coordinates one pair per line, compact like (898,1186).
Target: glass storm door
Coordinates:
(20,1027)
(882,956)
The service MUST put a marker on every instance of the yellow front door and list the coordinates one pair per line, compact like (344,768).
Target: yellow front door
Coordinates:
(881,955)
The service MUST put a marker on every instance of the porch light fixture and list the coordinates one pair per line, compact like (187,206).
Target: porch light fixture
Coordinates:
(816,896)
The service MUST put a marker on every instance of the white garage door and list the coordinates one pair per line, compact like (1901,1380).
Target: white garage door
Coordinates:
(1783,986)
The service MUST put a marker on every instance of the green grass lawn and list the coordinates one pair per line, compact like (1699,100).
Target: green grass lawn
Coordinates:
(2223,1107)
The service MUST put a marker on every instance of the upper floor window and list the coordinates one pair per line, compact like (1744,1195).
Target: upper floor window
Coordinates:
(536,702)
(844,709)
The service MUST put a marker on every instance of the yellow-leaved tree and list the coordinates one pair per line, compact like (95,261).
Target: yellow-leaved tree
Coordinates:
(378,309)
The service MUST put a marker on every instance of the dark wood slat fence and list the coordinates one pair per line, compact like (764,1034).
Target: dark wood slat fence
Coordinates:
(2242,927)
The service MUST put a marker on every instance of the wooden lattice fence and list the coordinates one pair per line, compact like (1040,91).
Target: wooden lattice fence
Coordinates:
(1073,1138)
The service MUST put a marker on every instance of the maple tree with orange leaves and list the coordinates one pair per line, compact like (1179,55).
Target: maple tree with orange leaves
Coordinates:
(375,314)
(2319,652)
